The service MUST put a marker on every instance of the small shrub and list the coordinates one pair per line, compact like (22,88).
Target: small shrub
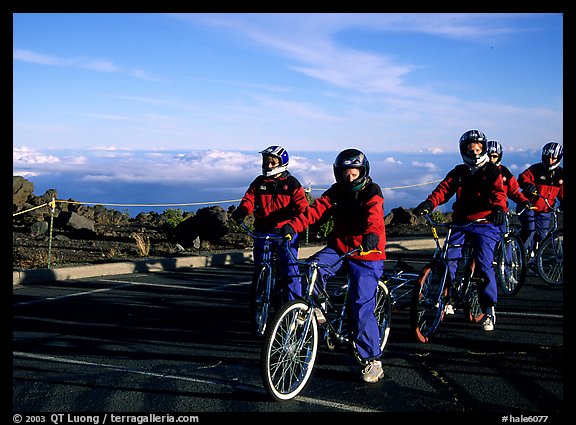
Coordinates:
(142,244)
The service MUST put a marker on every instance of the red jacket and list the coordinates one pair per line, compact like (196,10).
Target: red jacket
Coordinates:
(550,185)
(477,194)
(355,214)
(512,187)
(274,201)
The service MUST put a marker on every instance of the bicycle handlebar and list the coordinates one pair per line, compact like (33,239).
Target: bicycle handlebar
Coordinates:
(254,235)
(451,224)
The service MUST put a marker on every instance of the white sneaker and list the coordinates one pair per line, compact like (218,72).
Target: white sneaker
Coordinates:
(373,372)
(449,309)
(489,322)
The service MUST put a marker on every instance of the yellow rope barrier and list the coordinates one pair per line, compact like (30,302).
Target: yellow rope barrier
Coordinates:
(52,204)
(397,187)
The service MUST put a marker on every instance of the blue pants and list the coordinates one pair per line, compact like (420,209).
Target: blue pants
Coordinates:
(288,270)
(363,276)
(535,226)
(484,237)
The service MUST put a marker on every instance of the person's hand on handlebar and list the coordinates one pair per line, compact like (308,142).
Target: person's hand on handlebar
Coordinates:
(370,242)
(498,216)
(287,231)
(531,190)
(238,215)
(424,207)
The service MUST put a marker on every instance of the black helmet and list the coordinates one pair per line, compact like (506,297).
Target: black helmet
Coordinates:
(474,136)
(495,147)
(351,158)
(552,150)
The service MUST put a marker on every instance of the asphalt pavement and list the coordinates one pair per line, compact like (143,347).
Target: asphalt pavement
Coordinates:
(177,342)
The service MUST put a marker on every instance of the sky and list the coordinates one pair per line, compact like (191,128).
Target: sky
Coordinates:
(146,101)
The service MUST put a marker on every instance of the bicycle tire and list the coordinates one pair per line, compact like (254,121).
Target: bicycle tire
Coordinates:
(260,301)
(429,300)
(550,258)
(511,264)
(289,351)
(383,314)
(472,310)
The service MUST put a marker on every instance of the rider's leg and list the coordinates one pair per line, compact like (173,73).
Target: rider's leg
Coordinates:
(528,223)
(542,221)
(453,254)
(289,269)
(363,288)
(486,236)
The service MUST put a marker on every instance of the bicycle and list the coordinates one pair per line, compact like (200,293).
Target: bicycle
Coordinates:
(262,289)
(435,291)
(550,252)
(510,258)
(290,348)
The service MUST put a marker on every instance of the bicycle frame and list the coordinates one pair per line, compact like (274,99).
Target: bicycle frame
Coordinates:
(435,288)
(264,282)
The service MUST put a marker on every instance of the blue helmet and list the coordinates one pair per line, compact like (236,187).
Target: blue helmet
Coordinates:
(280,153)
(552,150)
(495,147)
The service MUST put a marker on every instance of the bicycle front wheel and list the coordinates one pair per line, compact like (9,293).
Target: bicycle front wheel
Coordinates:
(260,300)
(289,351)
(429,300)
(383,314)
(550,258)
(511,264)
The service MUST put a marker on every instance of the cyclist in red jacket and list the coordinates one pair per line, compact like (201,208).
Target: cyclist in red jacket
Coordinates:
(356,205)
(274,198)
(480,194)
(511,185)
(541,182)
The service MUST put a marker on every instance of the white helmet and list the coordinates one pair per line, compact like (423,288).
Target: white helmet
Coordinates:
(280,153)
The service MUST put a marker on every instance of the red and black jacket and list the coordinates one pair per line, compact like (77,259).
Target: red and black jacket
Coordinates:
(477,193)
(511,186)
(354,213)
(274,201)
(549,184)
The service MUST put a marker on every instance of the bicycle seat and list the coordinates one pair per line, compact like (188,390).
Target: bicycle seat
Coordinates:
(403,266)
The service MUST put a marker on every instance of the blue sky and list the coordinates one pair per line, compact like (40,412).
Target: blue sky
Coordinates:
(147,98)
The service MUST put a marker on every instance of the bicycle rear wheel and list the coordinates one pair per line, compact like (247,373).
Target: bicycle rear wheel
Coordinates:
(550,258)
(383,314)
(289,351)
(260,291)
(511,264)
(429,300)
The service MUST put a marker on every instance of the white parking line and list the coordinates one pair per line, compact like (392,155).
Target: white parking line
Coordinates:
(231,384)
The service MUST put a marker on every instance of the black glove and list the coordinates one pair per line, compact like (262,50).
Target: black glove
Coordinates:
(370,241)
(287,231)
(498,216)
(531,190)
(424,207)
(238,215)
(527,205)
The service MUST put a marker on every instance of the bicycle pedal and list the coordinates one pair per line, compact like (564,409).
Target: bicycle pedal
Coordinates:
(320,318)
